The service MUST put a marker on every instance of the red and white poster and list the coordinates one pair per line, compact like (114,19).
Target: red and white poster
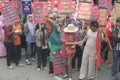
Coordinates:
(10,14)
(38,13)
(53,5)
(103,16)
(65,6)
(18,6)
(95,12)
(118,9)
(103,3)
(58,63)
(113,14)
(84,10)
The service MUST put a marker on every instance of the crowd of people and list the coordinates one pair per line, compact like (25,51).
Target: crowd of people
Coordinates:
(74,41)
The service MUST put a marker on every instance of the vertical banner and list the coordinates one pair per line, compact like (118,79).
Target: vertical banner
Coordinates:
(65,6)
(103,16)
(38,13)
(103,3)
(113,14)
(18,6)
(118,9)
(10,14)
(53,5)
(84,10)
(58,63)
(26,7)
(95,13)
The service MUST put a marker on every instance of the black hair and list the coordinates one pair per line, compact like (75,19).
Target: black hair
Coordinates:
(94,23)
(0,13)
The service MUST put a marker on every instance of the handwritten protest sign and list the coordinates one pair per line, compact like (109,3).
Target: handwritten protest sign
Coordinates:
(26,7)
(65,6)
(118,9)
(113,14)
(103,16)
(103,3)
(53,5)
(84,10)
(95,13)
(58,63)
(10,14)
(18,6)
(38,13)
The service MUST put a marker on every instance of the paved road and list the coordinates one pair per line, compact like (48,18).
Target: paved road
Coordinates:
(31,73)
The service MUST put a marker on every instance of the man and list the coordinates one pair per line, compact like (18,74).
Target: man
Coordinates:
(116,49)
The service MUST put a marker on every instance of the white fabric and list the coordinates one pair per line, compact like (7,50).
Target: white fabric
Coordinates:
(88,56)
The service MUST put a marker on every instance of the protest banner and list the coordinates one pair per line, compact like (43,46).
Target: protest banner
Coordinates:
(26,7)
(118,9)
(10,14)
(113,14)
(95,13)
(84,11)
(18,6)
(58,63)
(38,13)
(65,6)
(103,16)
(109,5)
(103,3)
(53,5)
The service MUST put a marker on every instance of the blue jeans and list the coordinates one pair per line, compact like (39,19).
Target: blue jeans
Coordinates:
(116,61)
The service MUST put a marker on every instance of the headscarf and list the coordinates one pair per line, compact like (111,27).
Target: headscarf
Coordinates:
(31,25)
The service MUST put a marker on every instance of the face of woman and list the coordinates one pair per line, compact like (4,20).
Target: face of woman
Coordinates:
(30,18)
(94,29)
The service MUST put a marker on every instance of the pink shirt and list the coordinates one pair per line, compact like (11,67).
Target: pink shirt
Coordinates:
(66,38)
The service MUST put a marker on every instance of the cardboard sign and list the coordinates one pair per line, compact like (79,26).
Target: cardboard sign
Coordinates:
(103,16)
(103,3)
(95,13)
(118,9)
(65,6)
(84,11)
(38,13)
(18,6)
(58,63)
(26,7)
(113,14)
(53,5)
(10,14)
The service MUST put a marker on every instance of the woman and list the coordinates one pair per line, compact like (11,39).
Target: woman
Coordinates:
(54,42)
(68,47)
(29,30)
(42,48)
(88,58)
(2,47)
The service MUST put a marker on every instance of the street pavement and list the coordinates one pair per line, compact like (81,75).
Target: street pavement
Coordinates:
(29,72)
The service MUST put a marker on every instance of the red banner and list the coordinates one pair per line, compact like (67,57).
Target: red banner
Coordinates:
(10,14)
(53,5)
(113,14)
(84,10)
(95,13)
(103,16)
(38,14)
(65,6)
(58,63)
(18,6)
(103,3)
